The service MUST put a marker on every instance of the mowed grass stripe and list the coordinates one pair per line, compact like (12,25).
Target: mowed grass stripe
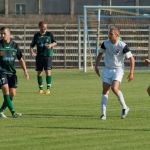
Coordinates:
(69,118)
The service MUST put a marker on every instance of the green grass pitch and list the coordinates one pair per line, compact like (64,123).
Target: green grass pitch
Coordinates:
(69,118)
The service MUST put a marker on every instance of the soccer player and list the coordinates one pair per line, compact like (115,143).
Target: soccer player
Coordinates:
(148,89)
(115,52)
(45,43)
(147,61)
(9,50)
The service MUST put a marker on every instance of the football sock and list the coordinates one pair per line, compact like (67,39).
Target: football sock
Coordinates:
(9,103)
(4,105)
(121,100)
(48,81)
(40,82)
(104,100)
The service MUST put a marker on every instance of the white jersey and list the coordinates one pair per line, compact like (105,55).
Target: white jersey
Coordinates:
(115,53)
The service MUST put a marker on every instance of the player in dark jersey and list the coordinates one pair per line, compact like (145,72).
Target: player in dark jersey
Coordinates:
(44,41)
(9,51)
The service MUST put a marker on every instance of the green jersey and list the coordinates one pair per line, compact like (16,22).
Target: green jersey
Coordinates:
(8,53)
(41,40)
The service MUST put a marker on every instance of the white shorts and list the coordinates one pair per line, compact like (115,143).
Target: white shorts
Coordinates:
(109,75)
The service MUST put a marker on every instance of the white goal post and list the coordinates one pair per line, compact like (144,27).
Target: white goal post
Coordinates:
(112,15)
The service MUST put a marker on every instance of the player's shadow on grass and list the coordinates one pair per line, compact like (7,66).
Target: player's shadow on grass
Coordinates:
(98,128)
(82,128)
(70,116)
(60,116)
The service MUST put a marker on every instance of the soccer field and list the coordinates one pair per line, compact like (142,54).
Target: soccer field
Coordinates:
(69,118)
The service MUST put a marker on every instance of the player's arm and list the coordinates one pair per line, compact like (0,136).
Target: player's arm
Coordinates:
(33,43)
(148,90)
(53,42)
(98,59)
(51,45)
(132,65)
(147,61)
(129,56)
(22,62)
(23,66)
(33,53)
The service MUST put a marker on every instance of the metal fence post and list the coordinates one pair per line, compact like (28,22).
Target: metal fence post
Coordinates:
(79,43)
(149,44)
(24,41)
(65,45)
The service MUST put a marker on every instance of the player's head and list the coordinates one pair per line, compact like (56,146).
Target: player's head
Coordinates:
(42,26)
(5,33)
(114,34)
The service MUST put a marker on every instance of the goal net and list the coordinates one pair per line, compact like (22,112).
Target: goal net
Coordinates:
(133,22)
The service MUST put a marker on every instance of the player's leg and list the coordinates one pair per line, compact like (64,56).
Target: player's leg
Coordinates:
(12,83)
(3,107)
(3,81)
(12,94)
(39,69)
(48,72)
(117,78)
(12,91)
(40,82)
(104,99)
(148,90)
(118,93)
(106,87)
(48,81)
(7,99)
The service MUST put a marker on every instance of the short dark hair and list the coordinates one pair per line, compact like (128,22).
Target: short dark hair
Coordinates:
(41,23)
(4,28)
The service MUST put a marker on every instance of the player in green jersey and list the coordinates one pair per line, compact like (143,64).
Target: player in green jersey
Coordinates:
(9,51)
(44,41)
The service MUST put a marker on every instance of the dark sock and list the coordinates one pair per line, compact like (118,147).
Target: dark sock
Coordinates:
(4,105)
(40,82)
(9,103)
(48,81)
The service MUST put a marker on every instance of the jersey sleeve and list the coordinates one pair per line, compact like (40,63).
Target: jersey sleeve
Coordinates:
(102,48)
(127,52)
(33,43)
(18,53)
(52,38)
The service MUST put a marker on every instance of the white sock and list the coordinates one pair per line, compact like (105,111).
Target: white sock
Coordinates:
(121,100)
(104,100)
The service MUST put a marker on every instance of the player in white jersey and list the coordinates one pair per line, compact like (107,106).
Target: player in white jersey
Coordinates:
(147,61)
(148,89)
(115,52)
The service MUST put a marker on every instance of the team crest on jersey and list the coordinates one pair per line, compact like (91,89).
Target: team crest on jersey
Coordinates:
(117,51)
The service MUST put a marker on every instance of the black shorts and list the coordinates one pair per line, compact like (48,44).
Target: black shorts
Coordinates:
(11,80)
(43,62)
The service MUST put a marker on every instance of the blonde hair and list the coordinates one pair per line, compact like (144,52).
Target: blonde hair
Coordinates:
(116,29)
